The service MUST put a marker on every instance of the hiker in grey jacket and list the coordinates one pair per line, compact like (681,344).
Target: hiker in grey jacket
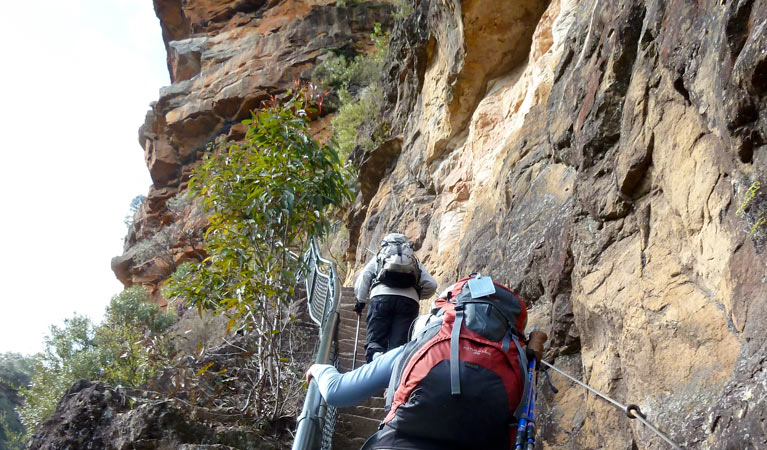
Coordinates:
(392,309)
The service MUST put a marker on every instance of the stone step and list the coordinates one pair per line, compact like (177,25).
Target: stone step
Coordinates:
(346,304)
(348,315)
(354,425)
(347,291)
(348,327)
(377,401)
(344,442)
(349,353)
(347,340)
(345,362)
(364,411)
(347,344)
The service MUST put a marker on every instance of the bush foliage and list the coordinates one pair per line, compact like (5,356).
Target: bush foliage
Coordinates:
(403,7)
(753,209)
(357,82)
(135,204)
(352,115)
(127,348)
(158,253)
(15,373)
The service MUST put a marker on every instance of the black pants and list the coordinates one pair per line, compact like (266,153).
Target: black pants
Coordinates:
(388,322)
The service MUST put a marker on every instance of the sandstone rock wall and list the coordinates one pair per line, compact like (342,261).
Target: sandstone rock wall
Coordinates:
(593,155)
(590,154)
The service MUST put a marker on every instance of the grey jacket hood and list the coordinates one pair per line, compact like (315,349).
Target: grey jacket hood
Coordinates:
(396,237)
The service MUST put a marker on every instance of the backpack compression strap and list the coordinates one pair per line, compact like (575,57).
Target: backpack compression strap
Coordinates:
(455,364)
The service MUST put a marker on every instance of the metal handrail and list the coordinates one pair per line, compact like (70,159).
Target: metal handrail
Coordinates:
(323,292)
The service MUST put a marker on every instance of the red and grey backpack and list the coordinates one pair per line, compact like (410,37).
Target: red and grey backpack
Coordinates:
(461,379)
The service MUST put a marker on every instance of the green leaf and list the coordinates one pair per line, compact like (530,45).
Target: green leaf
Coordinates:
(230,323)
(205,368)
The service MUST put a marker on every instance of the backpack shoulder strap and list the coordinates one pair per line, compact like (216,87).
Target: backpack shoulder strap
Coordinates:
(522,355)
(455,364)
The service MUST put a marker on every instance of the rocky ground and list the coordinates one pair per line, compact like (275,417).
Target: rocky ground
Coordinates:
(181,408)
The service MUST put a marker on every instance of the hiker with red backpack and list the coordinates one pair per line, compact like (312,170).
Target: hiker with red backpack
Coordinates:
(459,384)
(393,282)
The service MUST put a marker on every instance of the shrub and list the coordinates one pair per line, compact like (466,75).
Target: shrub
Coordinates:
(135,204)
(159,251)
(334,72)
(127,348)
(265,198)
(12,436)
(352,114)
(15,373)
(131,340)
(68,356)
(360,94)
(178,204)
(15,369)
(403,8)
(195,331)
(160,245)
(343,74)
(753,209)
(348,2)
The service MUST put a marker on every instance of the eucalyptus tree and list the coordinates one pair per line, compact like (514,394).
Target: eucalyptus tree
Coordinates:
(264,198)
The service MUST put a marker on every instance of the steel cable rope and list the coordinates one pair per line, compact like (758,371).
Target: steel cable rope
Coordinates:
(630,410)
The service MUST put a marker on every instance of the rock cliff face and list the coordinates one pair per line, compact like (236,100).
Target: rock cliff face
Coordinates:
(592,155)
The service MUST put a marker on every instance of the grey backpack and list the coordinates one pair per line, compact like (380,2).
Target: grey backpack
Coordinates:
(397,265)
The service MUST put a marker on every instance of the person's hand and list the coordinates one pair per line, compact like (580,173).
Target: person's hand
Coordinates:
(358,307)
(308,376)
(535,343)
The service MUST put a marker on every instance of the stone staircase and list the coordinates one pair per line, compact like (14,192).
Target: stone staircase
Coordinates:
(357,423)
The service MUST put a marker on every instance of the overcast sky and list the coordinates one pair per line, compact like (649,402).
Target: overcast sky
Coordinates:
(77,77)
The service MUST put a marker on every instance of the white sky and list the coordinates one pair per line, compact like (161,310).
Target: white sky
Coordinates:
(77,77)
